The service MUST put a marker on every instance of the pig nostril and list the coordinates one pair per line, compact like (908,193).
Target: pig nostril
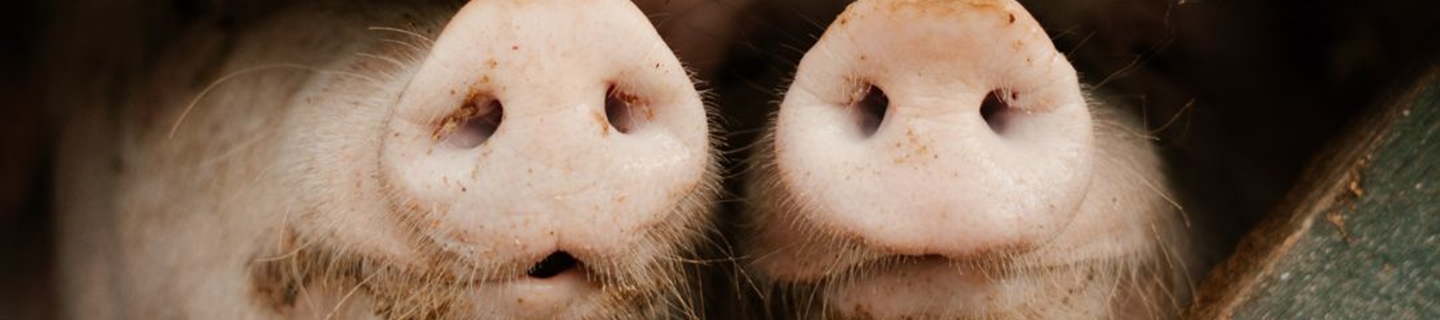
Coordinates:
(467,127)
(870,110)
(621,108)
(995,109)
(553,265)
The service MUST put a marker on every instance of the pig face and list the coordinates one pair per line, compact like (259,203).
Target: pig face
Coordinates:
(530,160)
(940,160)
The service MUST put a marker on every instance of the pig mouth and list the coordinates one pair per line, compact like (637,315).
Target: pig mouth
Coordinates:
(995,266)
(397,288)
(553,265)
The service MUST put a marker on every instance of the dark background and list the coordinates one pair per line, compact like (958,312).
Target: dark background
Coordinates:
(25,226)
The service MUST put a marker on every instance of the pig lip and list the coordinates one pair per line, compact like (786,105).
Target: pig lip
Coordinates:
(1001,265)
(553,267)
(558,266)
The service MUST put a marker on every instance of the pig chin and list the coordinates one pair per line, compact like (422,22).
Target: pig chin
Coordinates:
(313,274)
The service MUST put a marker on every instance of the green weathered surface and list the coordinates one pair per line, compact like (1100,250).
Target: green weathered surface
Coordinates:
(1379,259)
(1360,239)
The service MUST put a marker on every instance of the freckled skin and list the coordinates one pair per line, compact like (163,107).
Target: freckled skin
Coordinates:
(1052,207)
(344,166)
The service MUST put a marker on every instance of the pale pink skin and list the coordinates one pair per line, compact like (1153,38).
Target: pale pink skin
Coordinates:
(318,179)
(1062,214)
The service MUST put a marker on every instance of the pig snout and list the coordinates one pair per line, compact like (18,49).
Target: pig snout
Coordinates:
(913,133)
(534,149)
(939,160)
(521,140)
(980,147)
